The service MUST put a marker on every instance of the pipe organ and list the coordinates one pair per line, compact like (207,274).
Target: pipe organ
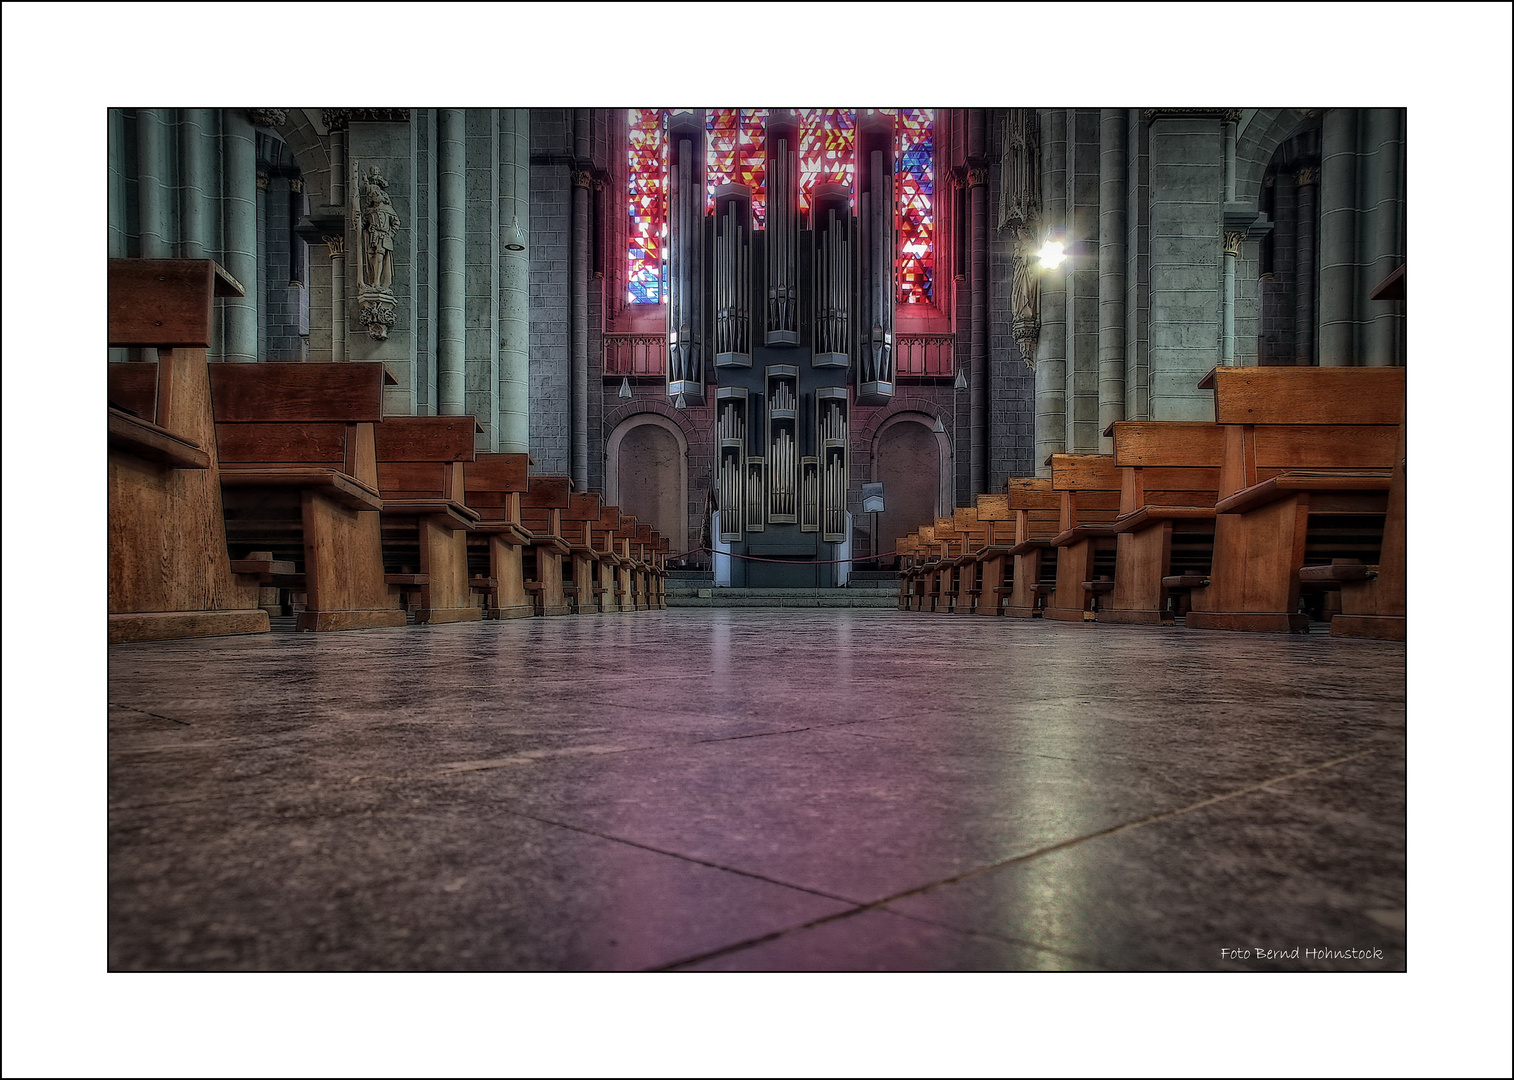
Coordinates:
(799,328)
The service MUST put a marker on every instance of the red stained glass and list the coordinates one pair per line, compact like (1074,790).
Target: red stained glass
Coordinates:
(827,139)
(646,200)
(828,142)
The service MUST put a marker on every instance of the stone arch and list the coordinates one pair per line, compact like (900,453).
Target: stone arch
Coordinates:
(640,478)
(1256,144)
(913,495)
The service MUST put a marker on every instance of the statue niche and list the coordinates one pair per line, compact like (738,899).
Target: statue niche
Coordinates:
(377,225)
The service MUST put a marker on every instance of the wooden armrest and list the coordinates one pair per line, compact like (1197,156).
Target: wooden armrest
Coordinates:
(1185,581)
(338,486)
(1035,543)
(1293,483)
(407,579)
(483,584)
(1081,532)
(508,531)
(133,435)
(449,513)
(1147,515)
(1337,572)
(1098,586)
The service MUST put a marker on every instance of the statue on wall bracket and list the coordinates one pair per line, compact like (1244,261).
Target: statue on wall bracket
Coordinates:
(377,225)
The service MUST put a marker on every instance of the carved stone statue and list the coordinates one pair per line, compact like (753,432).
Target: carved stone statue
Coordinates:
(379,224)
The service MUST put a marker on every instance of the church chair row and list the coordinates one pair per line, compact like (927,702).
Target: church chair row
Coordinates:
(243,490)
(1290,505)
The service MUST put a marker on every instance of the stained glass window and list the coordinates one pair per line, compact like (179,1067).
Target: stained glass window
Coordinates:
(828,148)
(914,130)
(827,140)
(646,199)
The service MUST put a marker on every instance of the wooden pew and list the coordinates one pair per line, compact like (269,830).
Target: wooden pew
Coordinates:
(1036,509)
(1089,486)
(582,587)
(971,535)
(940,567)
(907,549)
(299,479)
(607,550)
(425,521)
(169,574)
(993,558)
(1309,454)
(1170,474)
(542,504)
(1376,605)
(924,574)
(660,573)
(494,484)
(625,570)
(642,572)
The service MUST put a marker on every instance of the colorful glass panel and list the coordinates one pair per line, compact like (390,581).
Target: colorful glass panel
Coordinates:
(828,142)
(754,161)
(914,130)
(646,200)
(722,134)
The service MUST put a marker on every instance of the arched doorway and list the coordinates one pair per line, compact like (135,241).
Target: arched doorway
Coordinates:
(647,474)
(911,460)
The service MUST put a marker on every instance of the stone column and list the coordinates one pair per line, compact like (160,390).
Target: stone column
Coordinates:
(197,234)
(1307,181)
(1081,274)
(1051,349)
(578,447)
(240,225)
(1187,160)
(451,197)
(1382,233)
(261,286)
(154,183)
(977,382)
(1112,198)
(514,392)
(1337,239)
(1232,252)
(336,247)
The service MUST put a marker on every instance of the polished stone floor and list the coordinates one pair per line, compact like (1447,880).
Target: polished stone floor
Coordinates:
(757,790)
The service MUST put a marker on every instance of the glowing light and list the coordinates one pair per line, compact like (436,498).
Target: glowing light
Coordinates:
(1052,254)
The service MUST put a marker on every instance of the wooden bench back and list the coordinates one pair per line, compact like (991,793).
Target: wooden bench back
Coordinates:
(1090,486)
(1172,463)
(297,393)
(164,303)
(1315,395)
(493,484)
(1031,493)
(422,457)
(1255,454)
(993,508)
(547,491)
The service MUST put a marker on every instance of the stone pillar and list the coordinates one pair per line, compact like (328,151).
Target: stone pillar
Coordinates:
(1187,158)
(1337,239)
(451,197)
(263,284)
(197,233)
(1137,268)
(578,448)
(1051,349)
(1112,200)
(1382,233)
(240,224)
(514,372)
(336,247)
(1232,252)
(154,184)
(1307,181)
(1081,274)
(977,380)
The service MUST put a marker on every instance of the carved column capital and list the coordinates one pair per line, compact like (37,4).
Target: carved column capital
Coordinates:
(1308,174)
(269,118)
(583,178)
(296,184)
(1233,242)
(977,176)
(263,178)
(336,246)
